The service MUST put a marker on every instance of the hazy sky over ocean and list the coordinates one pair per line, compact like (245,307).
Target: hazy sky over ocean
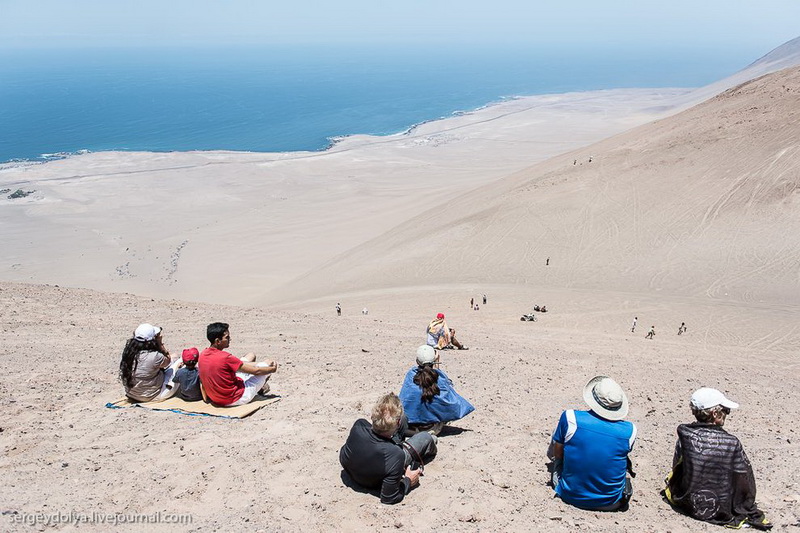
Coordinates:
(744,24)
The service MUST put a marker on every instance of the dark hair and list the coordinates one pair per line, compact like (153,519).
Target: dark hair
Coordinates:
(706,415)
(190,364)
(130,358)
(427,379)
(216,331)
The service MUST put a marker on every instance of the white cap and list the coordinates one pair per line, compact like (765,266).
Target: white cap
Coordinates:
(146,332)
(426,355)
(707,397)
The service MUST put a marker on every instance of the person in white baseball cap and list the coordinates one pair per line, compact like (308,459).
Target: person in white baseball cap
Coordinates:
(706,398)
(590,450)
(712,479)
(146,368)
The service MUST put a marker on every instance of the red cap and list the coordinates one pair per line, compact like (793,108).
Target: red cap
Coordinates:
(190,355)
(440,315)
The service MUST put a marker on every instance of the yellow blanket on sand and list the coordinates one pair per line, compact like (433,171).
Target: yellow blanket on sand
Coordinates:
(176,405)
(439,330)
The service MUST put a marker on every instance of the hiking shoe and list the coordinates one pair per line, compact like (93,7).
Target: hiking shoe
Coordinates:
(264,390)
(435,430)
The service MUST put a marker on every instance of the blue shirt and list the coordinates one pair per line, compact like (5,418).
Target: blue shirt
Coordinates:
(595,458)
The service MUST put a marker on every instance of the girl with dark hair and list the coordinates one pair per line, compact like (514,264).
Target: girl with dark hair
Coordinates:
(428,397)
(146,369)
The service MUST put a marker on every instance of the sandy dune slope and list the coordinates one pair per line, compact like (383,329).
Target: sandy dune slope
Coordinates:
(167,223)
(703,204)
(278,470)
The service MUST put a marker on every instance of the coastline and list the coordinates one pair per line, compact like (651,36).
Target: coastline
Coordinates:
(334,140)
(309,206)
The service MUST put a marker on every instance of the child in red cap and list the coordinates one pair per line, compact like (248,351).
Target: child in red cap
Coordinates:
(188,378)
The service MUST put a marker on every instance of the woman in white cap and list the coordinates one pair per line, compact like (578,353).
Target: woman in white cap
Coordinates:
(146,369)
(428,397)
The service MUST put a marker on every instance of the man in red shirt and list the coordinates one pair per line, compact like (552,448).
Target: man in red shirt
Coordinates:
(225,379)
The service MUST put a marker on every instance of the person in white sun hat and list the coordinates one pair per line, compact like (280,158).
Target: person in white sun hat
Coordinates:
(590,450)
(712,479)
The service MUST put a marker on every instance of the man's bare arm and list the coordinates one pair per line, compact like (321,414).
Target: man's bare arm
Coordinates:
(257,370)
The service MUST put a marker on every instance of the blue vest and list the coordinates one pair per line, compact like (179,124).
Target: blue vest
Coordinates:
(595,458)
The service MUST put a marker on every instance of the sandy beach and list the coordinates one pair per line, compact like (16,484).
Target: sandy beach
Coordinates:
(687,212)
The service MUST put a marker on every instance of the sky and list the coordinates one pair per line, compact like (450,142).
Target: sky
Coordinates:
(746,24)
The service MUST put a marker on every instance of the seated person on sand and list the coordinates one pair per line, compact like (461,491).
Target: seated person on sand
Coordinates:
(590,450)
(227,380)
(711,477)
(376,456)
(146,369)
(188,377)
(429,400)
(440,336)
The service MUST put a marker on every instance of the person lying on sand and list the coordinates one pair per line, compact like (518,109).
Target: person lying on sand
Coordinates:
(440,336)
(711,477)
(429,400)
(376,456)
(590,450)
(227,380)
(146,369)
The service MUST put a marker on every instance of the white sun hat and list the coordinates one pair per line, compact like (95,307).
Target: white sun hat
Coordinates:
(606,398)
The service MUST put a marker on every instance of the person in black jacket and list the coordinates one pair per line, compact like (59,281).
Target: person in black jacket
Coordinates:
(712,479)
(376,456)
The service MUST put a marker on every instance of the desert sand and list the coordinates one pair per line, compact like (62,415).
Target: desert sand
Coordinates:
(686,213)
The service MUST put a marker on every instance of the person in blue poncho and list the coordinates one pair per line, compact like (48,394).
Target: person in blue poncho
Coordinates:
(428,397)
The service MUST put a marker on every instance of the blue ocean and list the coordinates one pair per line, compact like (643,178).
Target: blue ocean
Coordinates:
(56,102)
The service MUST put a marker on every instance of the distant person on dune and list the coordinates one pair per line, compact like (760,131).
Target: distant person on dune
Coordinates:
(712,479)
(484,299)
(227,380)
(376,455)
(590,450)
(633,325)
(682,328)
(440,336)
(338,310)
(429,399)
(146,368)
(651,333)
